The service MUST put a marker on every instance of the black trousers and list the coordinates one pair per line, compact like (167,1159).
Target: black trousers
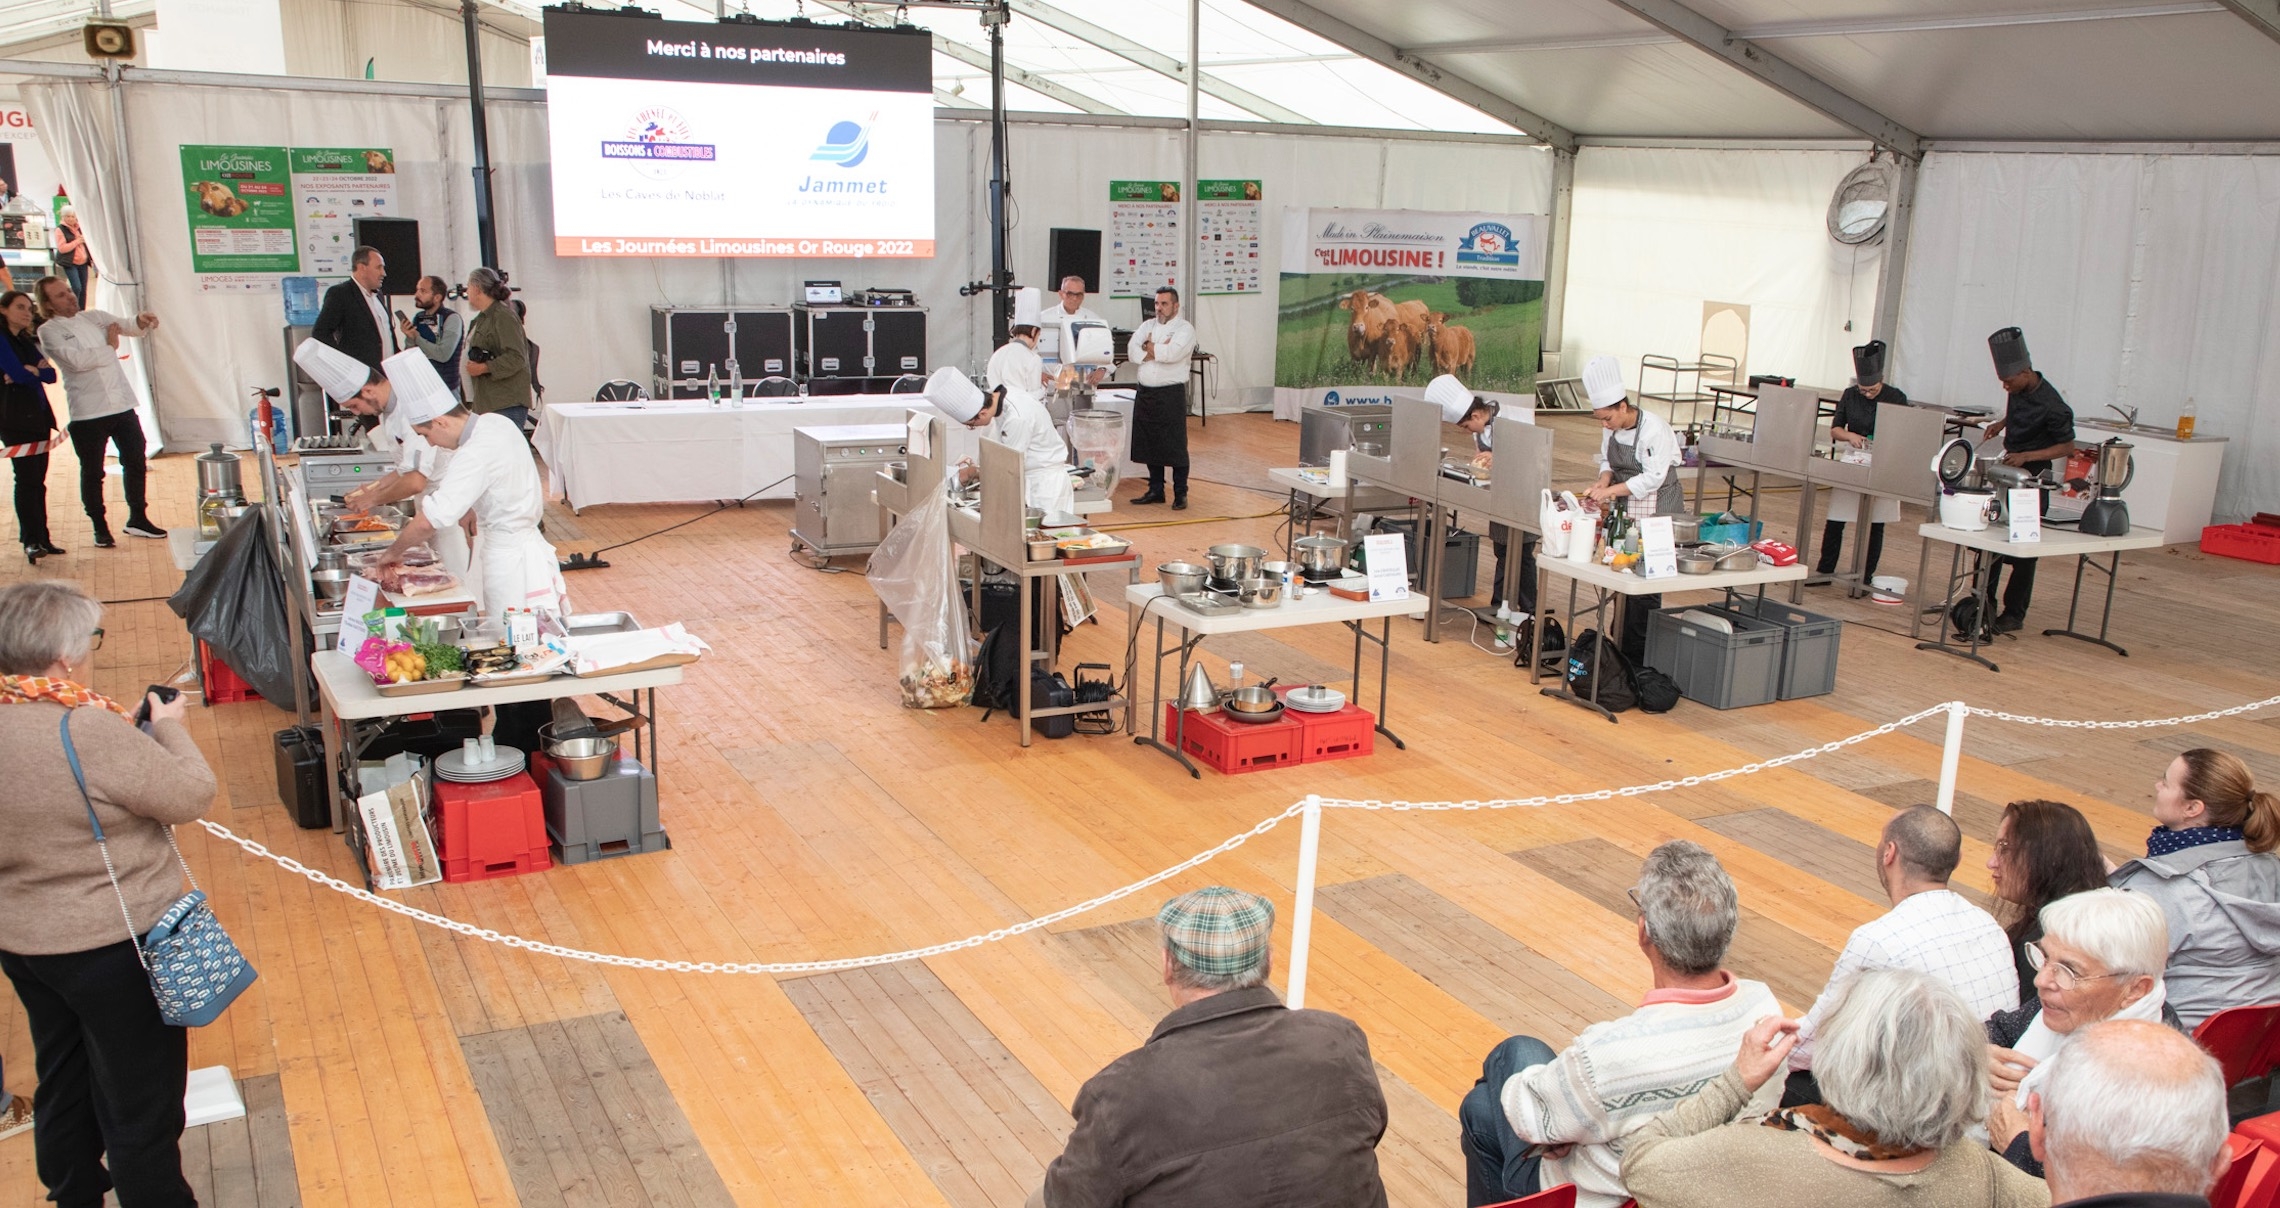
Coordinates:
(1833,543)
(2021,589)
(111,1076)
(1500,539)
(31,498)
(88,437)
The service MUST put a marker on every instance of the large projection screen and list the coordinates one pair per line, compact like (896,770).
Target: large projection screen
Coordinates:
(675,138)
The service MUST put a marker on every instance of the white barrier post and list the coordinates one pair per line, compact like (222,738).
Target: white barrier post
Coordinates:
(1302,913)
(1951,756)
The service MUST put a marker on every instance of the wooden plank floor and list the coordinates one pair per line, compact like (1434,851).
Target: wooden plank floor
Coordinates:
(813,817)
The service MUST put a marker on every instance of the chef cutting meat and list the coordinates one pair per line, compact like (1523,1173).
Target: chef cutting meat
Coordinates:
(1017,363)
(416,465)
(1638,471)
(1460,406)
(1855,426)
(1015,419)
(492,477)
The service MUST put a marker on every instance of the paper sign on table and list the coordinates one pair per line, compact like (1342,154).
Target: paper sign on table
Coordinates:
(1386,561)
(363,596)
(2026,514)
(1658,548)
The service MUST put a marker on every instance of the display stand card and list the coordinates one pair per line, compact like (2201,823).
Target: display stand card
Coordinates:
(363,596)
(2026,514)
(1386,562)
(1658,548)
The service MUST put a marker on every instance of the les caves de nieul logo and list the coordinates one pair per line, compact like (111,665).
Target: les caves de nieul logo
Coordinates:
(847,144)
(658,142)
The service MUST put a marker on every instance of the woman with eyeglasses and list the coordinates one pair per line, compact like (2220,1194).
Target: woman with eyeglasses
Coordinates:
(2044,851)
(2100,957)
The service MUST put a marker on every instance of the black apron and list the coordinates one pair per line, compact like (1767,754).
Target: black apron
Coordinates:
(1159,426)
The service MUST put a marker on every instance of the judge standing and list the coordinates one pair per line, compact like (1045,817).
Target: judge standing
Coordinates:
(491,475)
(1019,422)
(1638,463)
(1160,348)
(416,465)
(2037,428)
(354,317)
(1855,425)
(1070,306)
(1016,363)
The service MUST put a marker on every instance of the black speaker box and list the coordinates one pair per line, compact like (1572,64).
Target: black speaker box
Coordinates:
(1074,252)
(398,242)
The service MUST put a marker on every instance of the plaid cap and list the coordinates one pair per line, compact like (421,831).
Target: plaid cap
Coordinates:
(1218,931)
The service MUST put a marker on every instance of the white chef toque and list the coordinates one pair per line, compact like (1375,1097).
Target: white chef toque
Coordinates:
(1603,382)
(418,390)
(340,375)
(1027,302)
(955,393)
(1453,397)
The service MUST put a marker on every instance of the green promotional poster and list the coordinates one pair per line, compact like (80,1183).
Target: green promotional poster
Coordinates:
(241,210)
(333,187)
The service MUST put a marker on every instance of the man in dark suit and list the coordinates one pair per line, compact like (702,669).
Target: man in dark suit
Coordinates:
(354,317)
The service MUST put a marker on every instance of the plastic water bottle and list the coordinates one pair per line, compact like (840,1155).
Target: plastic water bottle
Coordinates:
(1504,625)
(2185,421)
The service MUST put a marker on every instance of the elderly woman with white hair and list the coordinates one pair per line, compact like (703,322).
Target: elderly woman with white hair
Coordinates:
(1901,1068)
(2100,957)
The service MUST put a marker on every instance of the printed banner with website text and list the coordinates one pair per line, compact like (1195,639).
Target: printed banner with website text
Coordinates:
(1396,296)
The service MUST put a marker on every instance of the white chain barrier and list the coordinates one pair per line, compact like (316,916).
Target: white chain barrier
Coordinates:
(1310,807)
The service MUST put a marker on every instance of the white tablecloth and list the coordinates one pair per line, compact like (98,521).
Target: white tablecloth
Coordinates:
(658,452)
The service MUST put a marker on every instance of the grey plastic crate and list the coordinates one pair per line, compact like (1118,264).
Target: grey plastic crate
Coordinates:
(612,815)
(1809,658)
(1721,670)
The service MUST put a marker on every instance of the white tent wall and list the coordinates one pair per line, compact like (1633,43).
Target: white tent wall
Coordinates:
(1658,231)
(2140,280)
(591,315)
(403,42)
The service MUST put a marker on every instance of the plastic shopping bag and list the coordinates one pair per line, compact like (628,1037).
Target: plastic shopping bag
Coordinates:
(915,573)
(1560,516)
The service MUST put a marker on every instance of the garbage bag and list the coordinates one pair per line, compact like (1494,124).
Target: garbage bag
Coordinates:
(915,573)
(234,601)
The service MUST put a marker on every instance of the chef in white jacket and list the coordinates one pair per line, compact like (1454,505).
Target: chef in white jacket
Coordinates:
(491,475)
(1019,422)
(1070,304)
(416,465)
(1017,363)
(1638,462)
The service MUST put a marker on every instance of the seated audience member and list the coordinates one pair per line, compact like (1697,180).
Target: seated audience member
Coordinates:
(2211,866)
(2044,851)
(1235,1099)
(2132,1115)
(1930,928)
(1902,1067)
(2100,957)
(1537,1119)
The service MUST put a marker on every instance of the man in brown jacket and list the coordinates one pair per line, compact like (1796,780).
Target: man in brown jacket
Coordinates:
(1236,1101)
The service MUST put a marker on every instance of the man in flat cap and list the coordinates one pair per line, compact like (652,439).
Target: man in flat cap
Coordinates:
(2037,429)
(1235,1100)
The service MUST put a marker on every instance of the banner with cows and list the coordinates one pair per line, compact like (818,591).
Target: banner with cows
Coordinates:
(1396,296)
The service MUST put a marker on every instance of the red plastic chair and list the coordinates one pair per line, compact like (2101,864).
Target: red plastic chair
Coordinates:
(2253,1179)
(2244,1040)
(1562,1196)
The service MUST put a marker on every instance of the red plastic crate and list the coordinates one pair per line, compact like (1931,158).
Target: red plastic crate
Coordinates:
(222,685)
(1350,733)
(1235,747)
(491,830)
(2249,542)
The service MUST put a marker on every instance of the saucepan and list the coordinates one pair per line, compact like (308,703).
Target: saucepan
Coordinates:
(1234,563)
(1320,556)
(1257,703)
(1262,592)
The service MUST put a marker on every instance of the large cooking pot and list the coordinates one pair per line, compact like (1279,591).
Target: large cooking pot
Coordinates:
(219,474)
(1234,563)
(1320,556)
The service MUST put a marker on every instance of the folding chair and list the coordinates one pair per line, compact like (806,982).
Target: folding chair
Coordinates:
(2244,1151)
(619,390)
(2244,1040)
(909,383)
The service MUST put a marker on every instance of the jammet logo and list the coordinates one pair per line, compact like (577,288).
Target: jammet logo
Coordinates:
(846,143)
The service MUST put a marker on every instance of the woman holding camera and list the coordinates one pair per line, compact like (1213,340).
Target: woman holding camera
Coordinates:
(498,357)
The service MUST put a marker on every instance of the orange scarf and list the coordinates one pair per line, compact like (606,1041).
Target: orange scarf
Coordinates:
(24,689)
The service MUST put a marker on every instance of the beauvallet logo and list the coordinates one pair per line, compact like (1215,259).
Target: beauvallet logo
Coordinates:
(846,143)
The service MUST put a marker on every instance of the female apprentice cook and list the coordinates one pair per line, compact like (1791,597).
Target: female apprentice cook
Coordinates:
(491,475)
(1460,406)
(1015,419)
(1638,462)
(1855,425)
(1016,363)
(416,465)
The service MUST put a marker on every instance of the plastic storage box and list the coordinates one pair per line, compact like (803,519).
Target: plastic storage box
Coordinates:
(490,830)
(1721,670)
(1809,657)
(614,814)
(1738,533)
(1350,733)
(221,685)
(2249,542)
(1235,747)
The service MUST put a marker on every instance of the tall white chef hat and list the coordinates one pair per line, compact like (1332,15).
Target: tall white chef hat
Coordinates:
(421,394)
(1027,302)
(1453,397)
(1603,382)
(340,375)
(956,394)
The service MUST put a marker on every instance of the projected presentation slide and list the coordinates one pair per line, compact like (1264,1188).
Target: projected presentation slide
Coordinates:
(675,138)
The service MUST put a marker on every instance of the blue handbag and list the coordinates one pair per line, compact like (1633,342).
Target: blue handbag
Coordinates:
(195,968)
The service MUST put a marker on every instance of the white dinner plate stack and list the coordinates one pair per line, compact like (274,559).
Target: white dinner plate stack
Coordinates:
(1315,698)
(506,762)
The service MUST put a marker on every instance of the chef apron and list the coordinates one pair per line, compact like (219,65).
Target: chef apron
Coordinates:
(1050,488)
(519,570)
(1669,500)
(1159,426)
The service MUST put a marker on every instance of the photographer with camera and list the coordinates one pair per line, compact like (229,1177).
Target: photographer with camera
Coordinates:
(498,357)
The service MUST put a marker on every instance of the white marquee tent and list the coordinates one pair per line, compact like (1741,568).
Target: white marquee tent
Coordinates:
(2103,175)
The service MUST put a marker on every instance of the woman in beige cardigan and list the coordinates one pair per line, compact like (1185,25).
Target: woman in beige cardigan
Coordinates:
(111,1072)
(1903,1070)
